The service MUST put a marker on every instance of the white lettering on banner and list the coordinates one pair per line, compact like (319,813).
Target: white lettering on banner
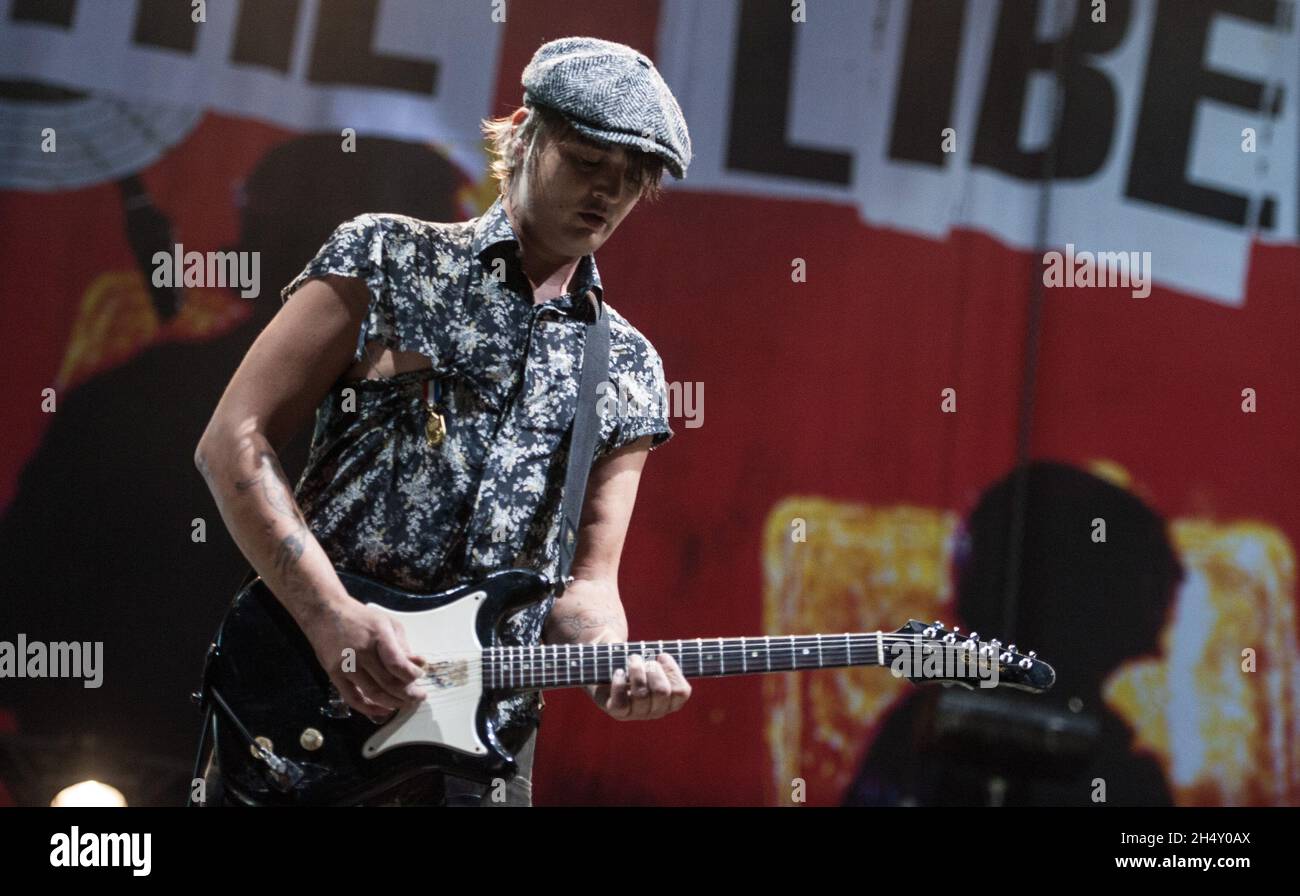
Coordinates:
(1149,153)
(405,72)
(849,106)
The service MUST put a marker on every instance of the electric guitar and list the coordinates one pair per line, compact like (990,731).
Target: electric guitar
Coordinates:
(284,736)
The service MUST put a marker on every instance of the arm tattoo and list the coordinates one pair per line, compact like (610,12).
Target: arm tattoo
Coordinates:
(289,551)
(571,627)
(275,488)
(275,485)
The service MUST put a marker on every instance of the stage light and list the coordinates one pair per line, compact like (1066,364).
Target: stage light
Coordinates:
(89,794)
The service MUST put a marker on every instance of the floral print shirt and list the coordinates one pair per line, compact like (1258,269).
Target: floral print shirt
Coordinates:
(388,501)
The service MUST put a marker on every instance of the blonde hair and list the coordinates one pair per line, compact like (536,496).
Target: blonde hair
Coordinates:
(544,124)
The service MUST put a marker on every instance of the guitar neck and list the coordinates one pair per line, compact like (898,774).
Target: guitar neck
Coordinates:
(548,666)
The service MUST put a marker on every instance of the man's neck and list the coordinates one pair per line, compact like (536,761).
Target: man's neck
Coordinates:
(549,276)
(553,286)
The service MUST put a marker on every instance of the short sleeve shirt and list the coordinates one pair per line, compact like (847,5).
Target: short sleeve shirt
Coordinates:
(387,501)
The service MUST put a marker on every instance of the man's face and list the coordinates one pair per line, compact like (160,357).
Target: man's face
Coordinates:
(576,197)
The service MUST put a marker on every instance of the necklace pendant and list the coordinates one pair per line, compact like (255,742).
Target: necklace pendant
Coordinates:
(434,428)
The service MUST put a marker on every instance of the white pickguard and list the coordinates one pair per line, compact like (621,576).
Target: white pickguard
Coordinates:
(447,637)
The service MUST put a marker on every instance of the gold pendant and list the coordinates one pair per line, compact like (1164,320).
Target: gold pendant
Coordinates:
(434,428)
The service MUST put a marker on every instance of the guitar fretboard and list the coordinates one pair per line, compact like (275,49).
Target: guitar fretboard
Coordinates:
(573,665)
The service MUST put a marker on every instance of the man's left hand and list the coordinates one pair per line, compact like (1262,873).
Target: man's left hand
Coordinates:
(644,690)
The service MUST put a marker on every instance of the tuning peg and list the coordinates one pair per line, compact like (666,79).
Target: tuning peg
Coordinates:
(1011,648)
(996,643)
(1026,663)
(1033,655)
(974,636)
(956,630)
(938,623)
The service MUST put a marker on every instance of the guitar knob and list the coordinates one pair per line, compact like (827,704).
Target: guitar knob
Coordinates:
(311,739)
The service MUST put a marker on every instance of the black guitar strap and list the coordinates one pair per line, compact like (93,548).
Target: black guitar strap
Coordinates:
(585,432)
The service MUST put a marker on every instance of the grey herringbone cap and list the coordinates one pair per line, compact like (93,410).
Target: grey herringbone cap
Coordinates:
(609,91)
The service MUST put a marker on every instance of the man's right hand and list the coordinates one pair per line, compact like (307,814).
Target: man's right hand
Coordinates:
(365,654)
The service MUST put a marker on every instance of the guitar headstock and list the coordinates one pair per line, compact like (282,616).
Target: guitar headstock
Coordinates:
(930,653)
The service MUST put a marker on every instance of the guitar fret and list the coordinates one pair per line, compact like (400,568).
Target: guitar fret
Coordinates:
(537,666)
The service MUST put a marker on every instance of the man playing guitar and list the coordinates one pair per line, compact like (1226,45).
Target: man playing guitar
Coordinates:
(440,362)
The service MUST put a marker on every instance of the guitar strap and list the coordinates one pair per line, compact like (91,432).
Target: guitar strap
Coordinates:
(585,432)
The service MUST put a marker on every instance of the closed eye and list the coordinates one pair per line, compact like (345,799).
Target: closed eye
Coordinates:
(585,161)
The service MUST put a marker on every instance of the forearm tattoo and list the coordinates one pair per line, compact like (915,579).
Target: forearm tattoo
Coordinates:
(572,628)
(274,486)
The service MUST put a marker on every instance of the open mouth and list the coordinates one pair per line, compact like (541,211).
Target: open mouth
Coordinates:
(592,219)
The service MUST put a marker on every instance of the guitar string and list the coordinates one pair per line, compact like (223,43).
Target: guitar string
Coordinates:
(701,647)
(515,661)
(488,667)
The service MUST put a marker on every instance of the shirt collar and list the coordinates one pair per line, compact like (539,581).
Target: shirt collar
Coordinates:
(493,228)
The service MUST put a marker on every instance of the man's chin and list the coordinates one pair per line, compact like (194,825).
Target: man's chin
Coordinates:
(585,246)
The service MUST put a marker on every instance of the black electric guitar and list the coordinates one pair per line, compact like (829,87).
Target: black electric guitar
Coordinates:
(284,736)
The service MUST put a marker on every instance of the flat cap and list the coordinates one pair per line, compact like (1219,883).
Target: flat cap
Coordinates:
(610,92)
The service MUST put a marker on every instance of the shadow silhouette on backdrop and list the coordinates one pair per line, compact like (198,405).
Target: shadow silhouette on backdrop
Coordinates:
(1086,606)
(96,545)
